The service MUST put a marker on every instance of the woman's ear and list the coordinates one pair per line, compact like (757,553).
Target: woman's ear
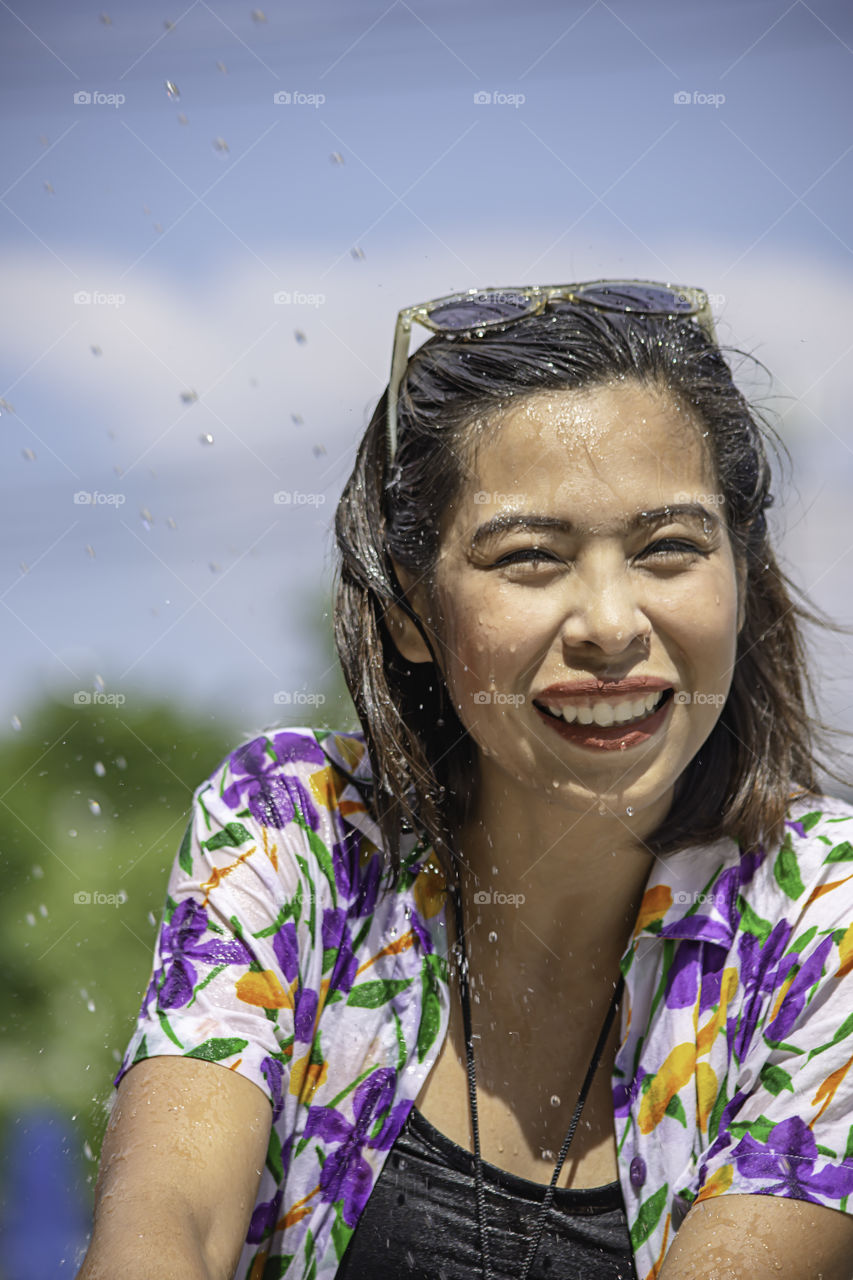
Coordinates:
(401,628)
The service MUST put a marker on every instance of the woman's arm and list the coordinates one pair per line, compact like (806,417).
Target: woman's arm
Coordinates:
(181,1162)
(743,1237)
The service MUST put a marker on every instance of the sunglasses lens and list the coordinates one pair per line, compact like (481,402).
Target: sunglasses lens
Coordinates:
(650,299)
(477,310)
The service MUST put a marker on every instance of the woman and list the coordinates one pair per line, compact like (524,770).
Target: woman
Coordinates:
(572,892)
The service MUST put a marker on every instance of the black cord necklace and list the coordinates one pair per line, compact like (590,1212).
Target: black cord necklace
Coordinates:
(480,1191)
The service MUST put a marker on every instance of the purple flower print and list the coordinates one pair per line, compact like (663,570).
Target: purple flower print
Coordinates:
(787,1163)
(264,1218)
(174,981)
(346,1175)
(258,783)
(274,1075)
(336,937)
(795,998)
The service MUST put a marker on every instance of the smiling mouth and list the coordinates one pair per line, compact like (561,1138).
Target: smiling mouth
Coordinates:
(607,715)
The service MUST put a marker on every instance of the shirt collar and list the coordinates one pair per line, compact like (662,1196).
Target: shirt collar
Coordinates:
(693,894)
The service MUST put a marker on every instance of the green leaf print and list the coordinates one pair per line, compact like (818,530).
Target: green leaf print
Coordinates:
(775,1079)
(370,995)
(430,1013)
(185,860)
(840,853)
(340,1232)
(786,869)
(164,1023)
(752,923)
(648,1217)
(675,1110)
(217,1048)
(274,1158)
(232,834)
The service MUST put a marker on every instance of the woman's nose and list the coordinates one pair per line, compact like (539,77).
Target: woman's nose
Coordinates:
(605,611)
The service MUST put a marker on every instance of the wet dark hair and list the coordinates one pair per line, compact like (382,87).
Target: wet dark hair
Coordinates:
(423,759)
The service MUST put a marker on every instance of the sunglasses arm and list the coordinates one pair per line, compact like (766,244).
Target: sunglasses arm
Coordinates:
(398,368)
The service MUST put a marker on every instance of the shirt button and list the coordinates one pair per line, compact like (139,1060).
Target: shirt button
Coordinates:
(637,1172)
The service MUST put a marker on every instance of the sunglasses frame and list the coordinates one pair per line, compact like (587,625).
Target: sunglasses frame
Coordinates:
(539,296)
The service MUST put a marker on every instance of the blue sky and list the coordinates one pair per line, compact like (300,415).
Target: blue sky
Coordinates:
(183,212)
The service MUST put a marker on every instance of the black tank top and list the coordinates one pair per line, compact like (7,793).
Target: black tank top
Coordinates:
(420,1222)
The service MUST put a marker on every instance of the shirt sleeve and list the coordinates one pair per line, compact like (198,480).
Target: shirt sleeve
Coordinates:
(786,1117)
(224,974)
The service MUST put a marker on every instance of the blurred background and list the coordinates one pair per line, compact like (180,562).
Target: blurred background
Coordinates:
(209,217)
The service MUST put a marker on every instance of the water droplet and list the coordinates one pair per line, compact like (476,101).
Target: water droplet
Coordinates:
(48,186)
(172,90)
(28,454)
(42,910)
(630,811)
(258,15)
(220,66)
(94,807)
(189,397)
(299,336)
(358,254)
(90,550)
(30,918)
(182,119)
(206,438)
(152,919)
(90,1005)
(100,768)
(220,144)
(38,872)
(336,157)
(493,937)
(547,1154)
(72,832)
(555,1101)
(146,517)
(121,763)
(88,1152)
(602,809)
(15,722)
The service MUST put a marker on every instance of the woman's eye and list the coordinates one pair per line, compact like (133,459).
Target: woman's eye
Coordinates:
(671,548)
(528,555)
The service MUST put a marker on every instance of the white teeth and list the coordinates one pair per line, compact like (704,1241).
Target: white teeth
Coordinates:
(606,714)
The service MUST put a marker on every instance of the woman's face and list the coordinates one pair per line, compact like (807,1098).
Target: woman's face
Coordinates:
(586,597)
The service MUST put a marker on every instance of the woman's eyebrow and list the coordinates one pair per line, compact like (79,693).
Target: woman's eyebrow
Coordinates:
(506,521)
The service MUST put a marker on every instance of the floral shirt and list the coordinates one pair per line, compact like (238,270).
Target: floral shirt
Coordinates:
(281,957)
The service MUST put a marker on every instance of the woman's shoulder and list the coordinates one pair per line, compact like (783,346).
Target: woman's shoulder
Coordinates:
(810,867)
(279,775)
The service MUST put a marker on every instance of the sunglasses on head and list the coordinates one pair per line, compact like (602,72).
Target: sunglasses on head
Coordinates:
(470,315)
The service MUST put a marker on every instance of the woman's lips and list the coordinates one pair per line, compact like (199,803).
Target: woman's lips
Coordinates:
(617,737)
